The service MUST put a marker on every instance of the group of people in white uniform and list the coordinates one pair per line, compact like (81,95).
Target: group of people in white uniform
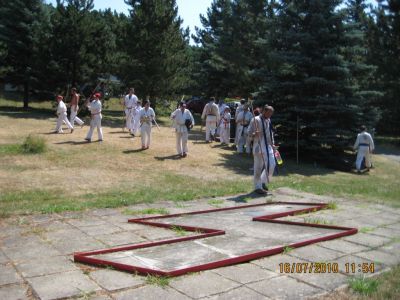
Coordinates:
(252,132)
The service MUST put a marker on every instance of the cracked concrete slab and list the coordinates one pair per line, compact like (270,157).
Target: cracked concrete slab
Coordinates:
(8,275)
(62,285)
(203,284)
(284,287)
(114,280)
(150,292)
(245,273)
(13,292)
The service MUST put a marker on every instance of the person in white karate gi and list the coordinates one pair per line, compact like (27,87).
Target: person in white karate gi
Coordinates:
(129,106)
(260,129)
(147,116)
(73,117)
(95,118)
(183,121)
(136,118)
(211,116)
(242,122)
(225,126)
(62,116)
(364,146)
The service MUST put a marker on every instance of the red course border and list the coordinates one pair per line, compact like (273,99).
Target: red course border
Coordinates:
(85,257)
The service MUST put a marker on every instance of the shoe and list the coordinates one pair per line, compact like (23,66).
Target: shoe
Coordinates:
(260,191)
(184,154)
(100,140)
(89,140)
(72,130)
(143,148)
(264,186)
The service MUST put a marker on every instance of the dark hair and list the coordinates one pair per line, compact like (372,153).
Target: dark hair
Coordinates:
(363,127)
(146,102)
(182,103)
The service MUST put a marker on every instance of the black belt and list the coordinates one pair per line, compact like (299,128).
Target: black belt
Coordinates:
(363,144)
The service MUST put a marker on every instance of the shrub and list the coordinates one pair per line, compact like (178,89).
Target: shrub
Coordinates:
(34,144)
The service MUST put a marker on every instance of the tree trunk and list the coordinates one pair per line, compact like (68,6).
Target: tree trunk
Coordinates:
(26,94)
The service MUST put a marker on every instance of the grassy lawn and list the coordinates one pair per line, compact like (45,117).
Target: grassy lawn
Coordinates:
(73,175)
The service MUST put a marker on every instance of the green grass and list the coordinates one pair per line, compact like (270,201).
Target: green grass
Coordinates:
(146,211)
(332,205)
(215,202)
(316,221)
(170,187)
(364,286)
(379,186)
(366,229)
(10,149)
(179,230)
(287,249)
(33,145)
(161,281)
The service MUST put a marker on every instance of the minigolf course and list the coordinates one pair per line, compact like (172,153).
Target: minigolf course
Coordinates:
(216,238)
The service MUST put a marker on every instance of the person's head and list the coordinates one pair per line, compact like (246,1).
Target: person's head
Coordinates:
(363,128)
(242,101)
(227,109)
(182,106)
(212,100)
(267,111)
(245,107)
(97,96)
(257,111)
(59,98)
(73,90)
(131,91)
(139,103)
(146,103)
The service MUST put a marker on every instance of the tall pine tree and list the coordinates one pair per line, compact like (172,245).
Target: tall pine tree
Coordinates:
(83,43)
(308,80)
(384,52)
(19,21)
(157,48)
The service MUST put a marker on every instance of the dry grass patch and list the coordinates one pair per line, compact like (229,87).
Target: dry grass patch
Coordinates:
(74,175)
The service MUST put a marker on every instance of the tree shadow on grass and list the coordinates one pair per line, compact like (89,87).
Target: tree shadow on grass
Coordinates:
(243,164)
(387,149)
(21,113)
